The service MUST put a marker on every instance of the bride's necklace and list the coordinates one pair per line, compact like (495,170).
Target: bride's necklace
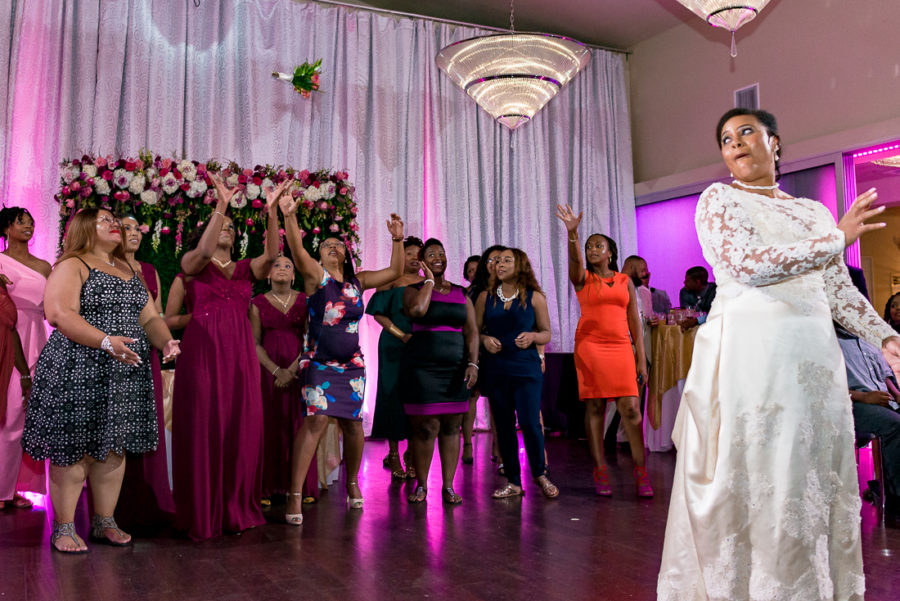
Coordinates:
(220,263)
(505,299)
(283,303)
(774,186)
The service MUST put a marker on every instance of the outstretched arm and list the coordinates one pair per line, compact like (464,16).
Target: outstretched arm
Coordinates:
(310,269)
(374,279)
(261,265)
(576,264)
(195,260)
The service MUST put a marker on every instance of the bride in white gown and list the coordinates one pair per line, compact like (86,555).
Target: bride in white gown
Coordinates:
(765,503)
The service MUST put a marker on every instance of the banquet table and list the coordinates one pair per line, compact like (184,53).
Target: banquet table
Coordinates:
(671,351)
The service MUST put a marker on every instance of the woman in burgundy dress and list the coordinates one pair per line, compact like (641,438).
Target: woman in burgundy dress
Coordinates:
(146,497)
(278,318)
(335,376)
(217,416)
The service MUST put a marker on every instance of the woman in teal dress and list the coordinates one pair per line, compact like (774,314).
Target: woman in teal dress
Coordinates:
(386,305)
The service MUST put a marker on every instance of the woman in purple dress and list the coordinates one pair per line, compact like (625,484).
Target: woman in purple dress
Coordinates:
(335,376)
(278,318)
(217,415)
(146,497)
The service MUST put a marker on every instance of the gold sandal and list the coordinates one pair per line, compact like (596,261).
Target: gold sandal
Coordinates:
(510,490)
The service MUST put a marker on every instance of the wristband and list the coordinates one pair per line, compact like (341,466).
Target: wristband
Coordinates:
(428,280)
(397,239)
(106,345)
(475,365)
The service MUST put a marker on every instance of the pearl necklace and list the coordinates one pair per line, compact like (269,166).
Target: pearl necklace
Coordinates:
(774,186)
(283,303)
(220,263)
(505,299)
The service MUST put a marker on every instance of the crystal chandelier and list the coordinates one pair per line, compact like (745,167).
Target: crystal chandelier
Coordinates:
(729,14)
(513,75)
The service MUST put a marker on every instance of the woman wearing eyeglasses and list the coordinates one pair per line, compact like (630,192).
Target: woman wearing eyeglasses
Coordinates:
(335,371)
(92,398)
(217,414)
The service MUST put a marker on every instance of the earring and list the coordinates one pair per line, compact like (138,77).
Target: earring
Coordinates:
(269,280)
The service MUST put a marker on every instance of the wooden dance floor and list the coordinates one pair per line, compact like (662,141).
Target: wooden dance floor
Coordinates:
(576,547)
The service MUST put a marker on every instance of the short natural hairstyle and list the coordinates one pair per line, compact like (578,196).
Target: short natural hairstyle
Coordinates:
(8,216)
(81,235)
(887,308)
(698,273)
(472,259)
(412,241)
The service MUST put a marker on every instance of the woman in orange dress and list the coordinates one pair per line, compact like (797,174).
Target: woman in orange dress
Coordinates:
(609,348)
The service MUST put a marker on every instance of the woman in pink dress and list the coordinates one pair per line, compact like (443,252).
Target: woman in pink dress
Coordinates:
(217,420)
(146,497)
(28,276)
(278,318)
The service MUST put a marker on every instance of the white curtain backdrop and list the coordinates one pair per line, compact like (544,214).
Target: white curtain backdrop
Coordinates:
(102,76)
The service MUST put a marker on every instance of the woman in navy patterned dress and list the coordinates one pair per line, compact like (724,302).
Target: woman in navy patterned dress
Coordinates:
(335,372)
(92,398)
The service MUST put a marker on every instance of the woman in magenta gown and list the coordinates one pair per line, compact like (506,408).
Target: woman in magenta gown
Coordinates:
(217,418)
(146,497)
(279,319)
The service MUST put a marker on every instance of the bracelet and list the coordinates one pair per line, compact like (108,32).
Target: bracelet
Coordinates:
(24,377)
(428,280)
(573,239)
(541,355)
(219,213)
(106,345)
(475,365)
(397,239)
(396,331)
(275,371)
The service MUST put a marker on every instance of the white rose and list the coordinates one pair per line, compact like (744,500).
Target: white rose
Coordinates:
(149,197)
(89,170)
(188,170)
(101,186)
(239,200)
(252,191)
(232,180)
(169,184)
(69,173)
(121,178)
(197,189)
(137,185)
(267,183)
(312,193)
(329,191)
(150,172)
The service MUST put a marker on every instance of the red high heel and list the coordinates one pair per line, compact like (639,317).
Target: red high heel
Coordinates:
(601,482)
(643,482)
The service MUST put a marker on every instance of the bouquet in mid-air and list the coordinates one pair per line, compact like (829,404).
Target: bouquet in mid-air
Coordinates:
(305,78)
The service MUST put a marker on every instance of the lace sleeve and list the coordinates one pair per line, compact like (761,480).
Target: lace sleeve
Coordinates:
(850,308)
(726,231)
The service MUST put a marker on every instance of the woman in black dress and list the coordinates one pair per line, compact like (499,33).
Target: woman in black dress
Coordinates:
(441,366)
(92,398)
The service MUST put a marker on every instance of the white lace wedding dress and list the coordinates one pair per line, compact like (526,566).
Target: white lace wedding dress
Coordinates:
(765,503)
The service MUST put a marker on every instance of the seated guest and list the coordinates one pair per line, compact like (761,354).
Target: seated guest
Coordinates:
(892,311)
(698,292)
(873,389)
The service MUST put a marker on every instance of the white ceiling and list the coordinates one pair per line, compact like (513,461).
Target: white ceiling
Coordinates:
(612,23)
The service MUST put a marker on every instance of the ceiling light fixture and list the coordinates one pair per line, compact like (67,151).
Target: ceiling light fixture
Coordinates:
(513,75)
(729,14)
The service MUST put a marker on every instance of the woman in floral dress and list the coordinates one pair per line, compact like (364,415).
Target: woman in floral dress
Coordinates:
(335,372)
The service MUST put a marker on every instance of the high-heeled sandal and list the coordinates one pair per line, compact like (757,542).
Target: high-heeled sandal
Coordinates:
(294,519)
(642,481)
(601,482)
(396,473)
(99,526)
(65,529)
(353,502)
(410,468)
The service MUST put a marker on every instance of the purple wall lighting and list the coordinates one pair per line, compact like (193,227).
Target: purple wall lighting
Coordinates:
(667,239)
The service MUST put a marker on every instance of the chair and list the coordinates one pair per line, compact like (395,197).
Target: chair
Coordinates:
(879,496)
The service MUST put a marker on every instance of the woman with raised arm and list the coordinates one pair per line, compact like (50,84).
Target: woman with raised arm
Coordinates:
(278,318)
(765,502)
(386,305)
(441,367)
(180,298)
(609,348)
(513,320)
(335,377)
(217,411)
(27,278)
(92,398)
(146,498)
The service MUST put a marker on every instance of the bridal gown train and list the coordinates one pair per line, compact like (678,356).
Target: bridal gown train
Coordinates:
(765,503)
